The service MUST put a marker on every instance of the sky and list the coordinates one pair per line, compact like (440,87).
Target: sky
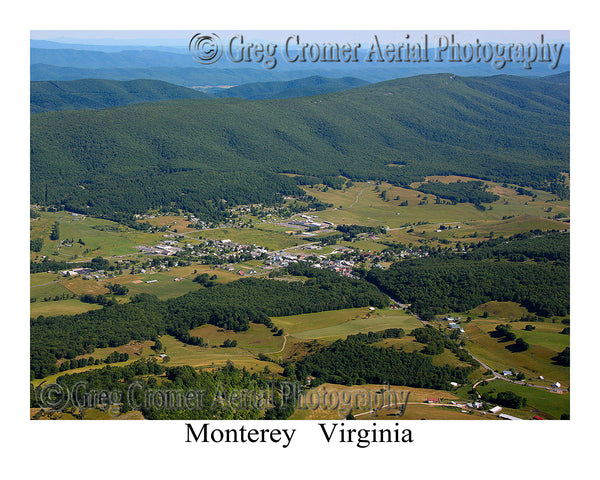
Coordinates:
(181,37)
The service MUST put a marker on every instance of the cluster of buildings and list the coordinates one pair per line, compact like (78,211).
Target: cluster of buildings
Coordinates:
(86,273)
(165,248)
(309,222)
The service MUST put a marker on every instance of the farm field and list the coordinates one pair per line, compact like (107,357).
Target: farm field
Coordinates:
(361,398)
(363,205)
(545,343)
(341,323)
(539,401)
(100,237)
(71,306)
(181,354)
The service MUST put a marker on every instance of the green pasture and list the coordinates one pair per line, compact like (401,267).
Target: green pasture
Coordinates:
(341,323)
(539,401)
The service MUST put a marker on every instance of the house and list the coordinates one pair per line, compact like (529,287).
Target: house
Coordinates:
(495,409)
(507,373)
(432,400)
(453,384)
(556,385)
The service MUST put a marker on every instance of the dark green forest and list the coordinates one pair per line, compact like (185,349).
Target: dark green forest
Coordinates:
(205,155)
(354,361)
(530,269)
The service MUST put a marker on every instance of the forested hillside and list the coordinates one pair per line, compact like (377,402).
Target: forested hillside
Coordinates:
(532,270)
(96,93)
(193,154)
(232,306)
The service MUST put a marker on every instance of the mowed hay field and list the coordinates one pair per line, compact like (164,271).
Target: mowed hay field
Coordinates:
(71,306)
(257,339)
(336,324)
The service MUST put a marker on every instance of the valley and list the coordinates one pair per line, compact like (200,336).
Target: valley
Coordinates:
(391,224)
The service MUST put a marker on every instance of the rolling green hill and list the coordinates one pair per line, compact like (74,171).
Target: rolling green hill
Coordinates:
(96,93)
(193,154)
(315,85)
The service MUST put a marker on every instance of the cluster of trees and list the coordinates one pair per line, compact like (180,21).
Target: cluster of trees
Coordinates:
(54,233)
(506,334)
(506,399)
(564,357)
(435,343)
(99,299)
(47,264)
(460,192)
(117,289)
(373,337)
(232,306)
(36,244)
(205,279)
(229,343)
(114,357)
(352,362)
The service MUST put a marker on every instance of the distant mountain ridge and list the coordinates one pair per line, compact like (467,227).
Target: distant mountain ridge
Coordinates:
(97,93)
(314,85)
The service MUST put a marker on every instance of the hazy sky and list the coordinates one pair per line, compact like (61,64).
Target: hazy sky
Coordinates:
(181,37)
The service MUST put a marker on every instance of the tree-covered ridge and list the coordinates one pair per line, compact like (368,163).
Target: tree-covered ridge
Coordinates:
(455,282)
(98,93)
(552,246)
(352,361)
(204,155)
(231,306)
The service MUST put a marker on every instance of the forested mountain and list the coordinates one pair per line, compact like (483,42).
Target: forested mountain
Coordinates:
(95,94)
(302,87)
(194,154)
